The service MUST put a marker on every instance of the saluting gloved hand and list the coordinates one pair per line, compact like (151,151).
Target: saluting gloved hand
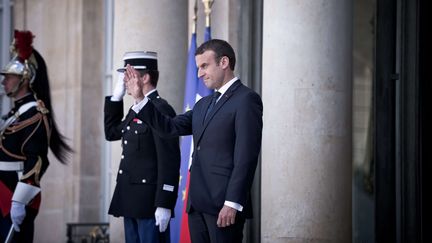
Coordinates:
(119,89)
(18,214)
(162,216)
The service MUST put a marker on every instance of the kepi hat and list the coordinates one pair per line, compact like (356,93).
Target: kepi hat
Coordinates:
(140,60)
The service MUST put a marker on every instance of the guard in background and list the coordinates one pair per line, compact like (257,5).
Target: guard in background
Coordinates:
(27,131)
(148,175)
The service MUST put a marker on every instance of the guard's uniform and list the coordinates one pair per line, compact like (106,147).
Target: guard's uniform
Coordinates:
(148,174)
(23,158)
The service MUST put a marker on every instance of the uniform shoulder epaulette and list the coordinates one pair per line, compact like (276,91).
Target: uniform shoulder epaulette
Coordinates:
(41,107)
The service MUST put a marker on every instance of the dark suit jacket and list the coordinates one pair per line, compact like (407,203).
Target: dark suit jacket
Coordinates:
(148,174)
(226,146)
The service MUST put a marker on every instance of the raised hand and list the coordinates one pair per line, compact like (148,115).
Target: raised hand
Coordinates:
(133,82)
(119,89)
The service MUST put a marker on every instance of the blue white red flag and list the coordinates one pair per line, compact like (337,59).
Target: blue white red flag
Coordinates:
(194,90)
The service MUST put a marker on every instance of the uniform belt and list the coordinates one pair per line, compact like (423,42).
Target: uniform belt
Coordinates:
(11,165)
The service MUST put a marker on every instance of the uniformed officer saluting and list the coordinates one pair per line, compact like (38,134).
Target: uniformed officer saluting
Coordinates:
(26,133)
(148,175)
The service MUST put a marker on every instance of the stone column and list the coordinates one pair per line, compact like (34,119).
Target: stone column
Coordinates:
(159,26)
(154,25)
(306,154)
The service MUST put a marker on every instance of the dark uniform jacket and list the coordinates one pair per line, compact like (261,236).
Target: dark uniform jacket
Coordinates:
(226,146)
(24,140)
(148,175)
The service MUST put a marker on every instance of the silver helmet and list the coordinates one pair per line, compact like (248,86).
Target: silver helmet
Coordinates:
(23,62)
(25,69)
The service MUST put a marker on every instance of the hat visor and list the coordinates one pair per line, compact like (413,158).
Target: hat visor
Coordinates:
(121,70)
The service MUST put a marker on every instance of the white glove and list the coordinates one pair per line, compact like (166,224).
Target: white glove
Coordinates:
(162,216)
(119,89)
(18,214)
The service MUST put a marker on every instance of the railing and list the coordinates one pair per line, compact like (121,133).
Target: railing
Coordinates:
(87,232)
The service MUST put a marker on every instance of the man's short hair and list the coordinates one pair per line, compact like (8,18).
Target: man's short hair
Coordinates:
(221,48)
(154,76)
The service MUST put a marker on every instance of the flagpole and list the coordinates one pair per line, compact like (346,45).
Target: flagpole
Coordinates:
(207,10)
(194,18)
(202,89)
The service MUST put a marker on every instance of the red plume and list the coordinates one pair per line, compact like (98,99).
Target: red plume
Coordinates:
(23,44)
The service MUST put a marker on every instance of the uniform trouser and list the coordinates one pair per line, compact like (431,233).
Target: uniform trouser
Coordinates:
(26,228)
(144,231)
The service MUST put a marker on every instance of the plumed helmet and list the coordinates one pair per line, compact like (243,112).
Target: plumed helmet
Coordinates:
(23,61)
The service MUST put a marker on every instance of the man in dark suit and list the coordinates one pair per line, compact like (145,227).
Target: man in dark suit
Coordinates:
(226,129)
(148,175)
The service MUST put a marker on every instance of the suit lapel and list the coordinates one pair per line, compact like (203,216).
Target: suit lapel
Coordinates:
(225,97)
(129,117)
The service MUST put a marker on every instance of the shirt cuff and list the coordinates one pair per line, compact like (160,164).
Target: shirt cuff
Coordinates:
(234,205)
(137,107)
(115,99)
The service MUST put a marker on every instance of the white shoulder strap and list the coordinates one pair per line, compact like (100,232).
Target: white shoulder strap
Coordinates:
(25,108)
(19,112)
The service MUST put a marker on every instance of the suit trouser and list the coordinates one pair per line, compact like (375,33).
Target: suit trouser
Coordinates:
(144,231)
(203,229)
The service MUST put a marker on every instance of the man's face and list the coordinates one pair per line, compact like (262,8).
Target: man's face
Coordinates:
(10,81)
(211,72)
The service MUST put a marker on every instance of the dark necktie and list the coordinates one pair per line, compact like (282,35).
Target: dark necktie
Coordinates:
(213,102)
